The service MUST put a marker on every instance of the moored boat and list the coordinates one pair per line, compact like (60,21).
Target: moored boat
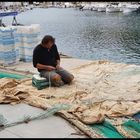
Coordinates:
(102,7)
(130,8)
(94,8)
(87,7)
(111,9)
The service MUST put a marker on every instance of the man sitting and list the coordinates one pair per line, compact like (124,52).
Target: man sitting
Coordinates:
(47,60)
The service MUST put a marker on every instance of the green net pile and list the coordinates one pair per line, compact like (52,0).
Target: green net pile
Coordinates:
(11,75)
(110,131)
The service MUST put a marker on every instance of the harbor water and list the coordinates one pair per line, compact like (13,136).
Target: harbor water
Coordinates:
(89,34)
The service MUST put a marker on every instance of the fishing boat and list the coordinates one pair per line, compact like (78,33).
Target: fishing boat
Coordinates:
(112,8)
(102,7)
(68,5)
(121,5)
(94,8)
(87,7)
(130,8)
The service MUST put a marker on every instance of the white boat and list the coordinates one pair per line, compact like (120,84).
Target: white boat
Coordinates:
(87,7)
(130,8)
(121,5)
(102,7)
(68,5)
(111,9)
(94,8)
(31,7)
(27,8)
(36,3)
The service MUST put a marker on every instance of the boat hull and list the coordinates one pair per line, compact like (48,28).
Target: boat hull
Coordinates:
(112,9)
(128,10)
(94,8)
(101,9)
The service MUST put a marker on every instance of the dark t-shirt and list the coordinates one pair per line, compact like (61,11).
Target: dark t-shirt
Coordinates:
(44,56)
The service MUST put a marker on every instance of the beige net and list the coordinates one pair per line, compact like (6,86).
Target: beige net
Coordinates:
(99,89)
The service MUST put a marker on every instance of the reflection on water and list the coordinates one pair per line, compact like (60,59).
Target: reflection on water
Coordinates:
(89,34)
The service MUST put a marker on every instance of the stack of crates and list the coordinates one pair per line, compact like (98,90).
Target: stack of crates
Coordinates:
(17,43)
(8,53)
(29,37)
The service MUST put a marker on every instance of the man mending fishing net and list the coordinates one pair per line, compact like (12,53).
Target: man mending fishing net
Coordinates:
(47,60)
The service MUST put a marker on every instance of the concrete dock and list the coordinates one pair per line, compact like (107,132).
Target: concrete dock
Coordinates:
(51,127)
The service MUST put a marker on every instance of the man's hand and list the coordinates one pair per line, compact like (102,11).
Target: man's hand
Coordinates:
(50,68)
(45,67)
(58,66)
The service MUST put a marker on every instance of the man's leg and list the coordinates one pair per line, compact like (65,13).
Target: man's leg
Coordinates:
(65,75)
(54,78)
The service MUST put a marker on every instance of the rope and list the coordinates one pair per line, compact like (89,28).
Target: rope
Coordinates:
(49,80)
(49,85)
(56,108)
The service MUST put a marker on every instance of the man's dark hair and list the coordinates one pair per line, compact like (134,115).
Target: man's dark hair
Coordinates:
(46,39)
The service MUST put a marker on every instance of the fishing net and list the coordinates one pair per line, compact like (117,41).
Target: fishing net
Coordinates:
(107,130)
(111,129)
(11,75)
(100,89)
(132,127)
(4,123)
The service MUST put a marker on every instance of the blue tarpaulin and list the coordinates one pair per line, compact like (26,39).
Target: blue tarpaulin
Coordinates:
(137,116)
(4,14)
